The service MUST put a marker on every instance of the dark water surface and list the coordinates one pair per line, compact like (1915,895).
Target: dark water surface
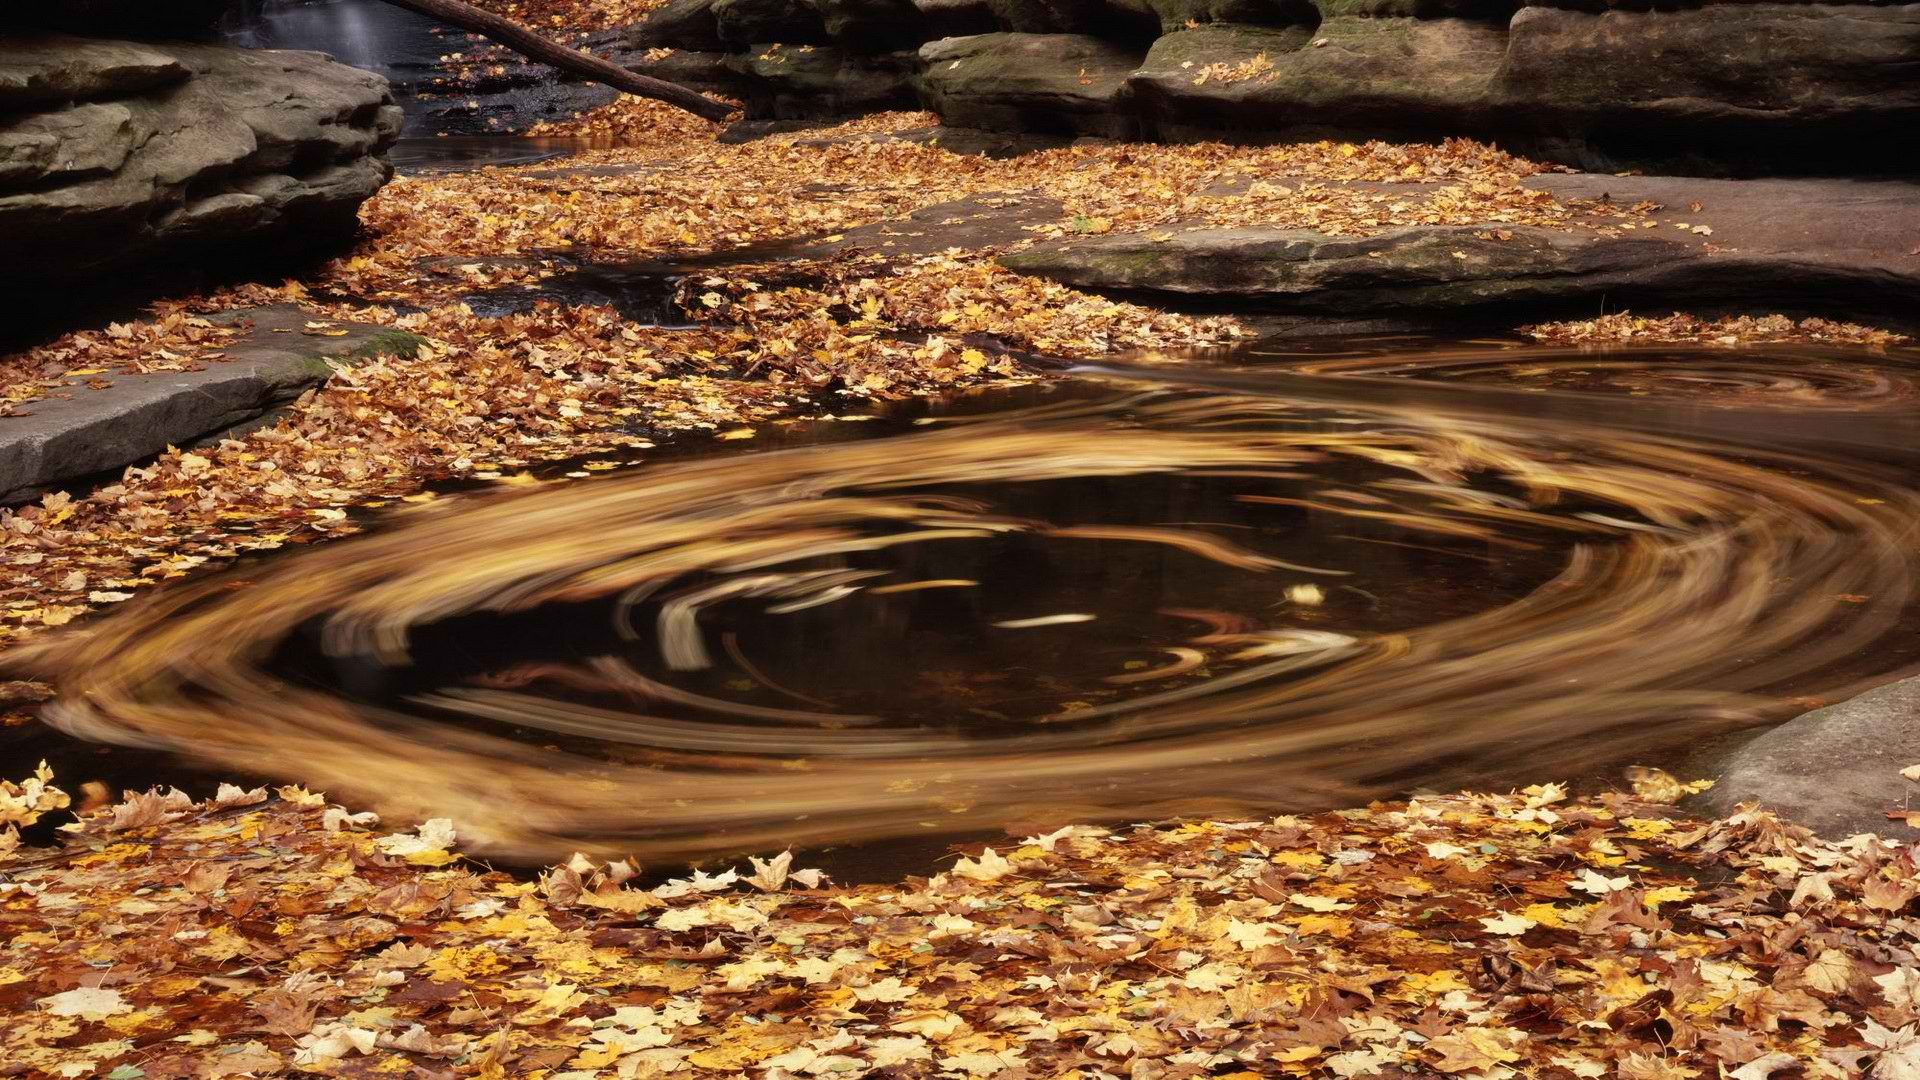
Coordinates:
(1276,578)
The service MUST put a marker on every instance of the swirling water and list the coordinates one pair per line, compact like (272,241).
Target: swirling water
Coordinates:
(1256,582)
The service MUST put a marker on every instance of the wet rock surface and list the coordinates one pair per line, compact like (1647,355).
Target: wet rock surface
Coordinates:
(1835,770)
(114,154)
(59,440)
(1820,247)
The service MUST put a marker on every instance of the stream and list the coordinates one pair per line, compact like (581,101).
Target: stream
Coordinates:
(1272,579)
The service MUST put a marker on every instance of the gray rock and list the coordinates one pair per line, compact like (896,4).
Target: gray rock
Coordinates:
(682,24)
(873,26)
(1054,83)
(247,147)
(1714,88)
(708,71)
(794,82)
(36,69)
(1728,86)
(1820,247)
(1835,770)
(741,23)
(60,440)
(1300,270)
(1388,77)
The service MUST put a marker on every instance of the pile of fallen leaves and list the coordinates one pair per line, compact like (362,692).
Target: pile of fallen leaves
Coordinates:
(1468,935)
(1627,328)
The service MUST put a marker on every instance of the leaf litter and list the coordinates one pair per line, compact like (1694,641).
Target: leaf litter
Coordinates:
(1471,935)
(258,934)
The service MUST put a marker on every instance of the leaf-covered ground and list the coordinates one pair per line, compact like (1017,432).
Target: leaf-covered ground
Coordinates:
(1471,935)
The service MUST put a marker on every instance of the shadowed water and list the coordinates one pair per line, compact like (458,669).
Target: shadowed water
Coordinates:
(1255,583)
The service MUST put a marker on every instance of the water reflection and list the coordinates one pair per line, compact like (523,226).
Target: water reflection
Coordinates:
(1243,589)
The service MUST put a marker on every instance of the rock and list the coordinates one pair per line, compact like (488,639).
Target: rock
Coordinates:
(1055,83)
(1835,770)
(873,26)
(1180,92)
(712,72)
(1725,87)
(1361,77)
(245,147)
(816,81)
(741,23)
(37,70)
(1300,270)
(1834,248)
(1713,88)
(59,440)
(956,18)
(682,24)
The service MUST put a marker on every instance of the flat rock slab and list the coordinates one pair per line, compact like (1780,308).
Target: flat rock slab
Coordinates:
(1824,247)
(1835,770)
(60,440)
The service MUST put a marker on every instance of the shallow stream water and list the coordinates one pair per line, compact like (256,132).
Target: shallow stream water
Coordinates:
(1277,578)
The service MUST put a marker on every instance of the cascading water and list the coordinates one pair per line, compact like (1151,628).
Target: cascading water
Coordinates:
(399,44)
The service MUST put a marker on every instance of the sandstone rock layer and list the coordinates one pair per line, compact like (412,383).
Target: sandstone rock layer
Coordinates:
(1718,87)
(119,153)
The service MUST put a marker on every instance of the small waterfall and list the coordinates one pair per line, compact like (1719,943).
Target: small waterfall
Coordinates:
(370,34)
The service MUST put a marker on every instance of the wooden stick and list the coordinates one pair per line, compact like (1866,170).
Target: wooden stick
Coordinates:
(547,51)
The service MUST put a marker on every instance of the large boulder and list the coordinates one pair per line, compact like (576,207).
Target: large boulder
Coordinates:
(804,82)
(1357,77)
(873,26)
(681,24)
(709,72)
(155,149)
(1835,770)
(1807,87)
(741,23)
(1054,83)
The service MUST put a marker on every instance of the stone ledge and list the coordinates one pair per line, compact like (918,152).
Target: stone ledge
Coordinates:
(1823,247)
(58,441)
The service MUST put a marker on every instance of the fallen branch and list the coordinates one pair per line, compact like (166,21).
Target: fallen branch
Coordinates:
(547,51)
